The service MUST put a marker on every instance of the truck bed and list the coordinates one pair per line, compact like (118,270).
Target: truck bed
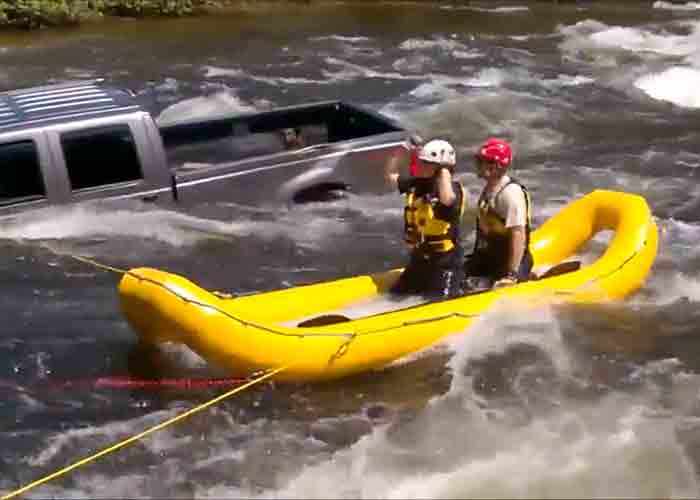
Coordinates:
(234,138)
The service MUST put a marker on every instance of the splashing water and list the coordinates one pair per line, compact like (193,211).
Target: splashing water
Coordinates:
(470,443)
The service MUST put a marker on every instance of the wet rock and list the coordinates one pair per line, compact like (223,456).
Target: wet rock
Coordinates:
(377,411)
(322,192)
(340,433)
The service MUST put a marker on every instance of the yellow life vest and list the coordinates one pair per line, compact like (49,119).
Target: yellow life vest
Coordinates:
(424,229)
(491,226)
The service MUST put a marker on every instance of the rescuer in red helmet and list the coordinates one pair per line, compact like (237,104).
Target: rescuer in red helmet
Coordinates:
(501,255)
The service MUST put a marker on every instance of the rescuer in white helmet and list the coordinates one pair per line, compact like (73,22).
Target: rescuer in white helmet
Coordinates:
(432,216)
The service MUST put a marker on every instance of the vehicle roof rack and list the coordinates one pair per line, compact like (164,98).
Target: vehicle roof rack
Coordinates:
(64,101)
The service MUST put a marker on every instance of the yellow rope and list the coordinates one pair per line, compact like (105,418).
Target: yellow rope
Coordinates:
(145,433)
(97,264)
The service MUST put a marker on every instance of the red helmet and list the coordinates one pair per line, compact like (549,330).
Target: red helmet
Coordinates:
(497,151)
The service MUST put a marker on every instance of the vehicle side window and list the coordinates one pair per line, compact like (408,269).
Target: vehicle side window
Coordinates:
(20,173)
(98,157)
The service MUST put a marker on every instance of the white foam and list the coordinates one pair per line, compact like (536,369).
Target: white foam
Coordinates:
(677,244)
(636,40)
(500,10)
(568,81)
(515,9)
(57,443)
(216,104)
(305,226)
(670,287)
(214,71)
(352,71)
(466,54)
(596,40)
(84,220)
(442,43)
(356,46)
(168,85)
(659,4)
(288,80)
(678,85)
(504,325)
(341,38)
(277,81)
(413,68)
(499,111)
(463,446)
(489,77)
(432,91)
(596,463)
(190,462)
(415,63)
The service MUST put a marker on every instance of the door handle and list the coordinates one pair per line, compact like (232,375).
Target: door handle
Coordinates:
(150,198)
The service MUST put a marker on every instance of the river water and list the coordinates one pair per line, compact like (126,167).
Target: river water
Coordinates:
(568,402)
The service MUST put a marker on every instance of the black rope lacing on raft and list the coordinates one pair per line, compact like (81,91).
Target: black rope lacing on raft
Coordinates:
(273,331)
(604,276)
(349,336)
(301,335)
(366,332)
(238,319)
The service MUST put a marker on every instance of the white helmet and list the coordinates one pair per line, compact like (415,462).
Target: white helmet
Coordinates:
(438,151)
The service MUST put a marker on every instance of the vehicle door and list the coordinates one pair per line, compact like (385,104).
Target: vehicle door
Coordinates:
(104,159)
(260,180)
(27,177)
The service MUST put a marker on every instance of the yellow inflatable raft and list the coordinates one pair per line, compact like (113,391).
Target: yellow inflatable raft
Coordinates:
(250,333)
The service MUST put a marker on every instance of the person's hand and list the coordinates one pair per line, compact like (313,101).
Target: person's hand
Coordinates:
(393,179)
(508,280)
(392,169)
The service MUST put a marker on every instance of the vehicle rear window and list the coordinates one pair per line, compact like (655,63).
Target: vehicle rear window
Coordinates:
(20,173)
(101,156)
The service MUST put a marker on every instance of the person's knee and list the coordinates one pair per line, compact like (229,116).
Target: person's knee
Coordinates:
(401,287)
(470,265)
(409,282)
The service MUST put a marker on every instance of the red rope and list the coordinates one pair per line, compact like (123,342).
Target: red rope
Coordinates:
(126,382)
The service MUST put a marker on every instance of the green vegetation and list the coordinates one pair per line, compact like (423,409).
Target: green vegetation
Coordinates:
(30,14)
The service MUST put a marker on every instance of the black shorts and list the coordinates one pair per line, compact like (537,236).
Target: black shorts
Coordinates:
(486,269)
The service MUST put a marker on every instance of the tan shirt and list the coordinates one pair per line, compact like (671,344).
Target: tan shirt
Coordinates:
(510,204)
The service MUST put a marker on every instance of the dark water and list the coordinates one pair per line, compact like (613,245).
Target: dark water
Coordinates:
(569,402)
